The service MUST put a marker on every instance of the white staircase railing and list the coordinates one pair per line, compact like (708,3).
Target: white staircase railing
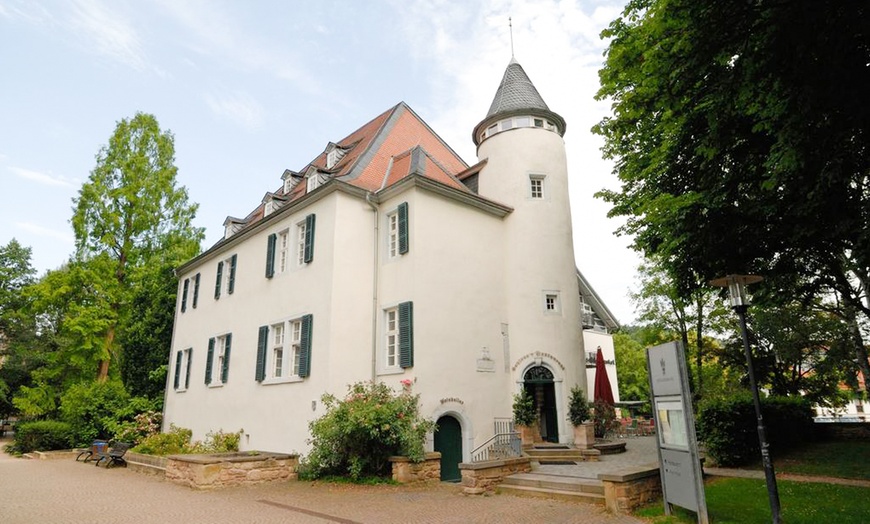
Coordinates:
(505,443)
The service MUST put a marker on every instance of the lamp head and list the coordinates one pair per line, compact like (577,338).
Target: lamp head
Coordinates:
(736,285)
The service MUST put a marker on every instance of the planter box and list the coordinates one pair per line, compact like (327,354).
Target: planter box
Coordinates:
(221,470)
(584,435)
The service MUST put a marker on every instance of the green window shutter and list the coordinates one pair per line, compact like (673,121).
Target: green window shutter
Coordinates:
(406,334)
(208,361)
(262,343)
(189,365)
(270,255)
(403,228)
(305,347)
(177,369)
(195,290)
(217,280)
(309,239)
(232,283)
(184,295)
(225,371)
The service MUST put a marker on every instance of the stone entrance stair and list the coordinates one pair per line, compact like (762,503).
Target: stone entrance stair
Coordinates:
(554,487)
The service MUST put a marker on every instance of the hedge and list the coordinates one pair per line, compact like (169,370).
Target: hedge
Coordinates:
(42,435)
(729,428)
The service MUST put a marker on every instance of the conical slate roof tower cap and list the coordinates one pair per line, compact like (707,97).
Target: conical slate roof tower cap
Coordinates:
(516,95)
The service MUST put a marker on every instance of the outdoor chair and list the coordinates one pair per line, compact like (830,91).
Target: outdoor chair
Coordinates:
(631,429)
(115,455)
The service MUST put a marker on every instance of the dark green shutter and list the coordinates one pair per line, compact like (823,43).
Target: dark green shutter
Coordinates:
(309,239)
(305,347)
(208,361)
(217,280)
(232,283)
(225,371)
(406,334)
(184,295)
(177,369)
(189,365)
(195,290)
(270,255)
(403,228)
(262,343)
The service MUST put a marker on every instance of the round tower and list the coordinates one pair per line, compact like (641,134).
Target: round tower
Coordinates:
(526,168)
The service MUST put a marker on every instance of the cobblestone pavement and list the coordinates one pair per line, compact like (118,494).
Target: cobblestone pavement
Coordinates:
(60,491)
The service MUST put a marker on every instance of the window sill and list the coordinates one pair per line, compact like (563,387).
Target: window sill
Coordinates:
(216,385)
(391,371)
(288,380)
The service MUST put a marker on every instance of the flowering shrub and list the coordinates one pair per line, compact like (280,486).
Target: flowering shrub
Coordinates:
(603,417)
(357,435)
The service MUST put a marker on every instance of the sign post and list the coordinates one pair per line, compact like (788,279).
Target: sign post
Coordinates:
(679,461)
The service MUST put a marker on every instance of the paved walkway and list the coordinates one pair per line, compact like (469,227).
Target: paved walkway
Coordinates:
(60,491)
(639,451)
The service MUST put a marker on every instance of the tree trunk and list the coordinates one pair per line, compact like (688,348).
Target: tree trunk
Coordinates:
(860,350)
(103,370)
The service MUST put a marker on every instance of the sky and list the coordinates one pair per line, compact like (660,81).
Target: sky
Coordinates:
(251,88)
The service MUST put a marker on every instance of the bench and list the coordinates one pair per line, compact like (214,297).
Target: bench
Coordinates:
(115,455)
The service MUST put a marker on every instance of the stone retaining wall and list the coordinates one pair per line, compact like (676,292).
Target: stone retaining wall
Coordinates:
(629,488)
(407,472)
(221,470)
(483,477)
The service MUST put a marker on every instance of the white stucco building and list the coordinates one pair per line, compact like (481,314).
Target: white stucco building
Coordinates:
(389,258)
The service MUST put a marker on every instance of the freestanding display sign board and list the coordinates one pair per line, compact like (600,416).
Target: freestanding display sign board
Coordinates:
(679,462)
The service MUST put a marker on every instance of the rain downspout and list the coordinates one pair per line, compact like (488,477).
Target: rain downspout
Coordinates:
(374,287)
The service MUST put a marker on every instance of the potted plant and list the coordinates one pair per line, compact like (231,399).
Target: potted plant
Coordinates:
(603,417)
(580,413)
(526,418)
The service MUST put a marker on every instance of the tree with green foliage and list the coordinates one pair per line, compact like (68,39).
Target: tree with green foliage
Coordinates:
(130,213)
(18,333)
(739,135)
(698,309)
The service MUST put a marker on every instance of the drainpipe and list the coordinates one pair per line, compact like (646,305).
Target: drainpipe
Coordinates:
(375,272)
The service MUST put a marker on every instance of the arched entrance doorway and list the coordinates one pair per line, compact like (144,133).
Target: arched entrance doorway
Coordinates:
(538,381)
(448,442)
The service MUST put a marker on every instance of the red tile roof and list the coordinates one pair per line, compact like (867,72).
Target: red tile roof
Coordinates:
(385,150)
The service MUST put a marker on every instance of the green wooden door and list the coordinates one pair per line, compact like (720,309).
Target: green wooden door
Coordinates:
(448,442)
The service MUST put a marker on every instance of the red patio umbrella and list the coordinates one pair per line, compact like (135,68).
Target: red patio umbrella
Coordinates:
(603,391)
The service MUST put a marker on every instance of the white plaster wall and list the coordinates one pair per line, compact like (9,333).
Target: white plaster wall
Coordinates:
(453,273)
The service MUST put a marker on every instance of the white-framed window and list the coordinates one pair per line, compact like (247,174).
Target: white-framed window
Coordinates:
(225,277)
(295,346)
(277,332)
(398,338)
(268,208)
(552,302)
(392,338)
(283,250)
(218,360)
(182,369)
(301,229)
(393,233)
(332,158)
(229,282)
(536,186)
(284,351)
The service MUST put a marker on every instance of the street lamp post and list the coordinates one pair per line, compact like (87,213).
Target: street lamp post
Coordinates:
(736,285)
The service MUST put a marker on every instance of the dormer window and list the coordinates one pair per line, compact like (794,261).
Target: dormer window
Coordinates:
(313,182)
(331,158)
(268,207)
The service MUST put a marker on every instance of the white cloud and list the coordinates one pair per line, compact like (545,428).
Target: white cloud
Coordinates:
(237,107)
(110,33)
(46,179)
(35,229)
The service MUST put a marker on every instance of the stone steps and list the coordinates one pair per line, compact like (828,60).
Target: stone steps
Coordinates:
(554,487)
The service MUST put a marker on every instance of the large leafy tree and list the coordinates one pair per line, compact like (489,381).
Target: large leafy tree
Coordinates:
(17,329)
(740,137)
(129,214)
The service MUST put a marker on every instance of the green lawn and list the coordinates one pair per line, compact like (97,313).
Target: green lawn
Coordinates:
(843,459)
(744,501)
